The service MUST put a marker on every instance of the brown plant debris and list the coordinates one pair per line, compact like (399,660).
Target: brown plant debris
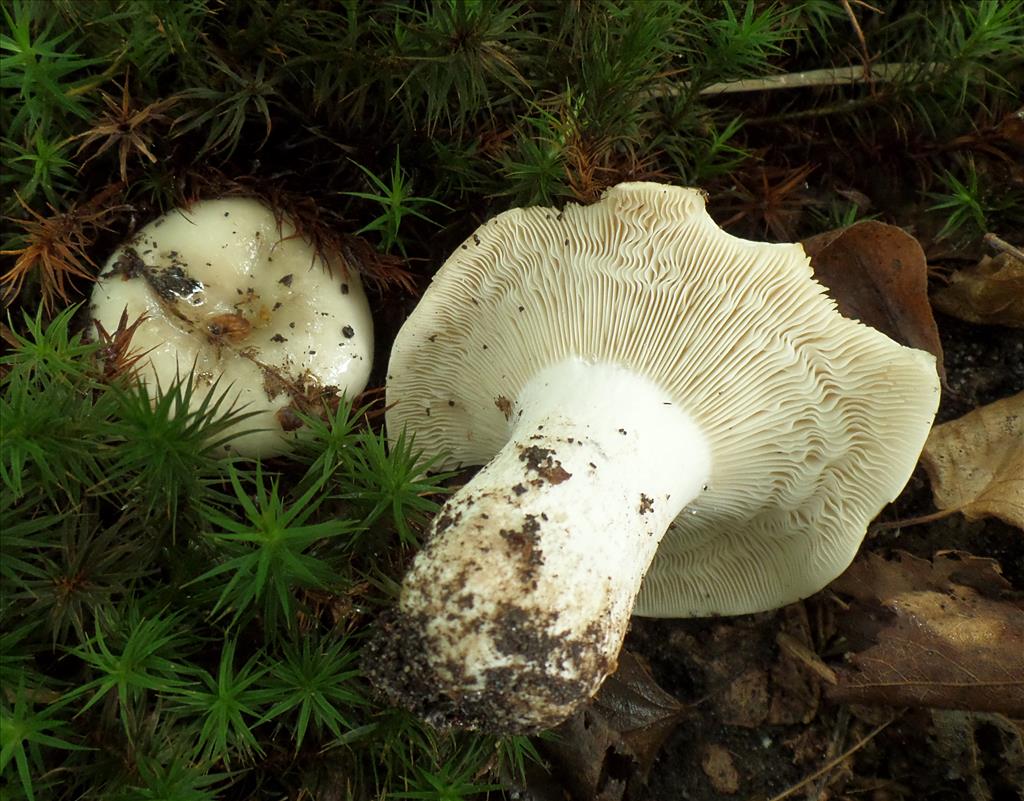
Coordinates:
(773,196)
(991,292)
(976,463)
(983,750)
(56,248)
(124,126)
(832,764)
(934,633)
(878,274)
(115,353)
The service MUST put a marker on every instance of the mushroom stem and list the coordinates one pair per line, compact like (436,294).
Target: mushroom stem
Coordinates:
(514,612)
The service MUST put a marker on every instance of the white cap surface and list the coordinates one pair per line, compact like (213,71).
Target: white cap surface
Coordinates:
(814,421)
(249,303)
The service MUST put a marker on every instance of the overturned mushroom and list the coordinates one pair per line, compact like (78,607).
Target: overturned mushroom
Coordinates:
(675,422)
(247,303)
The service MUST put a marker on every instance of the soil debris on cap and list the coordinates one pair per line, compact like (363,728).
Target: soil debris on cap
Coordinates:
(504,406)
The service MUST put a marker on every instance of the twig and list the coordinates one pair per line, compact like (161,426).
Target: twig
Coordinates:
(828,76)
(800,652)
(1002,246)
(915,521)
(833,762)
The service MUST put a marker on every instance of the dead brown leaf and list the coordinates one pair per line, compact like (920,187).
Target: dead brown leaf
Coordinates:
(976,463)
(934,634)
(991,292)
(605,751)
(643,713)
(878,274)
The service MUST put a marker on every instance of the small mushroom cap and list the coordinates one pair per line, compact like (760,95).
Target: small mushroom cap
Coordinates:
(250,304)
(815,421)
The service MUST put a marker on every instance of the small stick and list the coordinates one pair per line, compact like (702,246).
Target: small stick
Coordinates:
(1002,246)
(828,76)
(832,762)
(915,521)
(797,650)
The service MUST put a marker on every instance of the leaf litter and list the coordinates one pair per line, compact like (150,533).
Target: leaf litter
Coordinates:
(943,633)
(989,293)
(878,274)
(976,463)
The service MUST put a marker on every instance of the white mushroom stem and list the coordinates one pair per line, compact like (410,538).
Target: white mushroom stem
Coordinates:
(520,601)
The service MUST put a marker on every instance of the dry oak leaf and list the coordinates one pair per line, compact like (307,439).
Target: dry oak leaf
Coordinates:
(878,274)
(991,292)
(606,750)
(930,634)
(976,463)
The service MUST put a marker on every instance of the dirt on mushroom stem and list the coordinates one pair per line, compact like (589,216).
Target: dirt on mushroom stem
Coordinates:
(514,612)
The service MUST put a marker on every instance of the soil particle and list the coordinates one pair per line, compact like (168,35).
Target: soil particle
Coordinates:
(541,461)
(646,504)
(504,406)
(128,265)
(446,520)
(718,766)
(524,548)
(983,364)
(173,283)
(520,635)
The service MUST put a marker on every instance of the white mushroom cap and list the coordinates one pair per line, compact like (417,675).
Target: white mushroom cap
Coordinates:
(250,304)
(812,421)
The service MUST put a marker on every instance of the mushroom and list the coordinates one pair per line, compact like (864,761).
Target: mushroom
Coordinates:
(234,294)
(675,422)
